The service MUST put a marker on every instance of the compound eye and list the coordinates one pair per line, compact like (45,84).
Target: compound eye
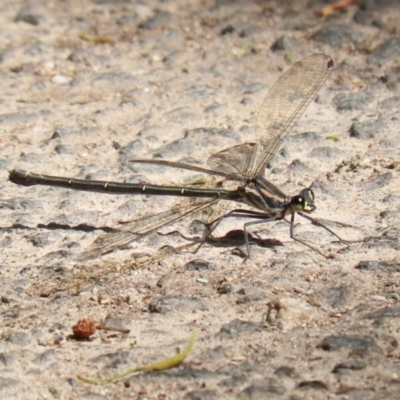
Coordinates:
(308,195)
(303,202)
(298,200)
(297,203)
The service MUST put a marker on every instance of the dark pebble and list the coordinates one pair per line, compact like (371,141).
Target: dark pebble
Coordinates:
(10,298)
(227,30)
(254,88)
(215,108)
(72,382)
(384,313)
(31,158)
(316,385)
(88,169)
(377,183)
(115,321)
(6,242)
(8,382)
(127,20)
(180,114)
(290,372)
(225,288)
(390,105)
(158,20)
(238,326)
(333,297)
(12,118)
(44,239)
(393,79)
(63,132)
(336,35)
(305,136)
(250,30)
(86,56)
(363,17)
(354,365)
(389,143)
(133,97)
(377,5)
(37,333)
(40,86)
(45,357)
(352,101)
(390,215)
(178,147)
(233,381)
(300,167)
(250,297)
(388,342)
(8,359)
(62,149)
(214,354)
(37,49)
(352,342)
(205,134)
(196,227)
(327,189)
(200,265)
(112,360)
(262,390)
(26,14)
(130,206)
(84,221)
(180,303)
(94,396)
(195,138)
(15,119)
(53,271)
(198,91)
(19,285)
(286,43)
(382,242)
(55,255)
(5,163)
(372,265)
(33,372)
(389,50)
(115,79)
(325,152)
(366,130)
(99,175)
(20,339)
(204,394)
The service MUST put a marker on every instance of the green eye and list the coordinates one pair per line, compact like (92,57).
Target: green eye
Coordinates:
(297,203)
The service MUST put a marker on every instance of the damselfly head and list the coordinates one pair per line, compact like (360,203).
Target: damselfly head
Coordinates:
(303,202)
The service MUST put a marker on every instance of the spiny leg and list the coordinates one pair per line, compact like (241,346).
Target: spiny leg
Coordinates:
(317,223)
(246,236)
(292,236)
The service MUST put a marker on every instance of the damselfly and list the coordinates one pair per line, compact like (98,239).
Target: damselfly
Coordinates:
(244,163)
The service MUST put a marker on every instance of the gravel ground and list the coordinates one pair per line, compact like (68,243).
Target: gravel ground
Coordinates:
(89,85)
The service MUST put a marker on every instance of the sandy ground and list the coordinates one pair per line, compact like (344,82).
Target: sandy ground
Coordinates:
(181,80)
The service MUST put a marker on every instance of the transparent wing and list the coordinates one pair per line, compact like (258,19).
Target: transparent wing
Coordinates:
(133,230)
(286,102)
(280,110)
(235,160)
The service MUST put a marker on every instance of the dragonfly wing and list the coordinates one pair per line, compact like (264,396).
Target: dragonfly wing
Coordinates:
(237,160)
(138,228)
(286,102)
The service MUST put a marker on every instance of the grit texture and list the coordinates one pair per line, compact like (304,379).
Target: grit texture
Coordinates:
(88,86)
